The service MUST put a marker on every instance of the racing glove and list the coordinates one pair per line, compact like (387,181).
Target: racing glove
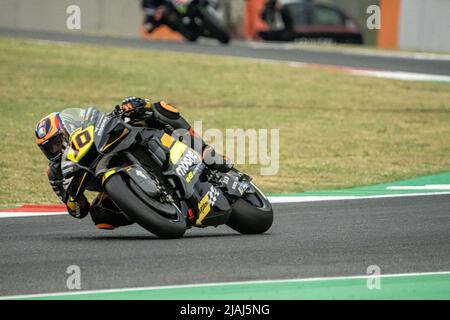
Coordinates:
(78,208)
(134,105)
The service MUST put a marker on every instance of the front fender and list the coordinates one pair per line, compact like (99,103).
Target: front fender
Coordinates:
(138,175)
(144,186)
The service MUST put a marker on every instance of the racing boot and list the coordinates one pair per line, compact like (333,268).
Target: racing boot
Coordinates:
(106,215)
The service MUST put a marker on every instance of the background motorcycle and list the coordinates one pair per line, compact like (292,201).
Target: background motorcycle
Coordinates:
(195,18)
(158,181)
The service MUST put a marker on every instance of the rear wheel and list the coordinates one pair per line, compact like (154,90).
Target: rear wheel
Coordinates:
(252,214)
(119,191)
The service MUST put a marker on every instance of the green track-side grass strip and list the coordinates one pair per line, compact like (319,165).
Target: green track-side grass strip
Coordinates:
(381,189)
(427,286)
(8,207)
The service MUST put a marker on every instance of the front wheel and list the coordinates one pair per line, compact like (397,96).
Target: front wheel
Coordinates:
(175,21)
(215,26)
(118,189)
(252,214)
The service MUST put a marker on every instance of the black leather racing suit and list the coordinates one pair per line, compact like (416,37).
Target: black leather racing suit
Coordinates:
(150,7)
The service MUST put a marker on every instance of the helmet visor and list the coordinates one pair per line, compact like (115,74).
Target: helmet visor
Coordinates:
(53,147)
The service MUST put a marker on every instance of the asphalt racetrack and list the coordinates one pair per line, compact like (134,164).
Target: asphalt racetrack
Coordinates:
(319,239)
(269,51)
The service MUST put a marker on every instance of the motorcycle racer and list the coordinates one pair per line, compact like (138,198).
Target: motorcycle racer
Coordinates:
(163,12)
(53,133)
(152,18)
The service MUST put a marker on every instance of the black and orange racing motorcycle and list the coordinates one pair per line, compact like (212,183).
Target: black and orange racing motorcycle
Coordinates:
(159,182)
(194,19)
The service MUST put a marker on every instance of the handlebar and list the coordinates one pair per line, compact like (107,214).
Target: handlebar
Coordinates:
(118,112)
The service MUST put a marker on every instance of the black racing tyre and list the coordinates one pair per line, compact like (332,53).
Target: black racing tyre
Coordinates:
(119,191)
(186,32)
(215,27)
(251,215)
(175,22)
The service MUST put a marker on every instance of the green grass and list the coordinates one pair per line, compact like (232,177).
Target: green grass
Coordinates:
(336,130)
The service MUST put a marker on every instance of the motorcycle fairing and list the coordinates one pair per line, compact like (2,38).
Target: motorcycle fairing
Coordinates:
(213,208)
(81,142)
(109,132)
(186,166)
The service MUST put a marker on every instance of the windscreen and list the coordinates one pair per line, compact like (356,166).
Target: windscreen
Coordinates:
(72,119)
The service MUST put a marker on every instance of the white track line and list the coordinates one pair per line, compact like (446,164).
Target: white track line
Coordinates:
(29,214)
(347,51)
(296,280)
(384,74)
(300,199)
(425,187)
(274,199)
(399,75)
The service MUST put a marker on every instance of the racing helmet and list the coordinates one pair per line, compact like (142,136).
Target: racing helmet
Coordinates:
(50,136)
